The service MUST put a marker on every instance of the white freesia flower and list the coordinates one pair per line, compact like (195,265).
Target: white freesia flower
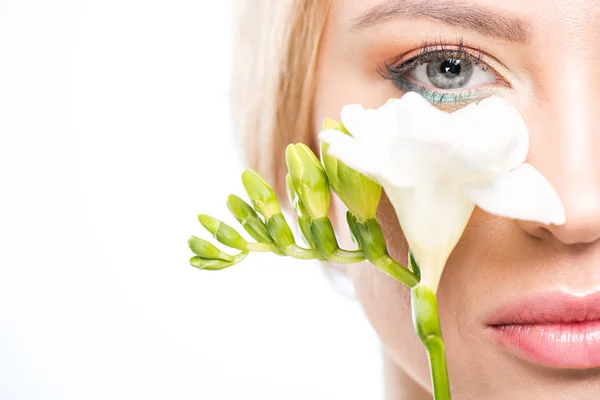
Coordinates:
(436,166)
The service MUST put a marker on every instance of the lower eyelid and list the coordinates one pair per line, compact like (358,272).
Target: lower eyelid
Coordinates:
(445,98)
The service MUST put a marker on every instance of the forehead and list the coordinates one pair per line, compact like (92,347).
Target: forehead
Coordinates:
(571,12)
(546,25)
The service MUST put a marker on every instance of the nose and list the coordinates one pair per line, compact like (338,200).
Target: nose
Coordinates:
(566,149)
(583,219)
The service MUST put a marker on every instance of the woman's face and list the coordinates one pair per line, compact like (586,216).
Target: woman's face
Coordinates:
(542,55)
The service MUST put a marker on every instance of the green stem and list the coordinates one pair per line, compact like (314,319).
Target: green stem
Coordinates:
(396,271)
(342,256)
(427,325)
(264,248)
(324,238)
(437,363)
(371,240)
(240,257)
(301,253)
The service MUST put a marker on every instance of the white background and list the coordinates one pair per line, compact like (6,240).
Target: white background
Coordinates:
(114,135)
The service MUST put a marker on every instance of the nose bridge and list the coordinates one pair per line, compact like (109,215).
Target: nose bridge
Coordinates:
(566,146)
(574,129)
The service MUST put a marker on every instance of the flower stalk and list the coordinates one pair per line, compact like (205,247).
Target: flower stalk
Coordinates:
(434,175)
(426,321)
(265,222)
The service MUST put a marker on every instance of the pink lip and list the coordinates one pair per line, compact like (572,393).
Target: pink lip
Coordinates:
(554,329)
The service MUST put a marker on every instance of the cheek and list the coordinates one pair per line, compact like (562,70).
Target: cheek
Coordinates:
(385,301)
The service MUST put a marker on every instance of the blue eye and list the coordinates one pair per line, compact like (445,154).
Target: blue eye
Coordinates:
(443,75)
(451,73)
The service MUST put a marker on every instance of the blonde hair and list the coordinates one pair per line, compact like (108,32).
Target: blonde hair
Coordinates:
(273,83)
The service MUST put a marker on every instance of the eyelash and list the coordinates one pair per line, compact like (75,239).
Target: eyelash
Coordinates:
(432,52)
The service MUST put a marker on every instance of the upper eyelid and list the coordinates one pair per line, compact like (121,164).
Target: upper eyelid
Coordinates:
(434,48)
(460,45)
(439,49)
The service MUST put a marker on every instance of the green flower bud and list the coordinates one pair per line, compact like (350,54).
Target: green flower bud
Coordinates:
(209,265)
(260,193)
(308,179)
(304,223)
(324,236)
(223,232)
(293,197)
(360,194)
(249,219)
(206,250)
(280,231)
(304,220)
(371,240)
(353,225)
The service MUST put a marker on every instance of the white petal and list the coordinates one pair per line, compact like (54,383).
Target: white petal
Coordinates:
(403,117)
(522,193)
(402,162)
(372,124)
(353,118)
(417,118)
(350,152)
(432,219)
(491,133)
(409,162)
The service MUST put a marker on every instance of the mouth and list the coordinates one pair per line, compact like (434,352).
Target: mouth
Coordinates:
(554,329)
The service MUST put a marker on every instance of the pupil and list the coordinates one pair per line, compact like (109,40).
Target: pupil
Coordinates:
(452,73)
(451,66)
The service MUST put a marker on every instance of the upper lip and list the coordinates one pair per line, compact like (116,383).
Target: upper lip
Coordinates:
(556,307)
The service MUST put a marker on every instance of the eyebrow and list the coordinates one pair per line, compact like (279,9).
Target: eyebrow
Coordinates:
(456,13)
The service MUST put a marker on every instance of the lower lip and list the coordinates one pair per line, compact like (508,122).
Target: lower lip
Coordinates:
(563,345)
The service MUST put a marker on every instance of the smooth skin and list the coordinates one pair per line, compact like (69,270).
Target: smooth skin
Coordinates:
(549,69)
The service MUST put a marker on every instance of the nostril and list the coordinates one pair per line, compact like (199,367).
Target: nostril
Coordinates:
(535,230)
(582,227)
